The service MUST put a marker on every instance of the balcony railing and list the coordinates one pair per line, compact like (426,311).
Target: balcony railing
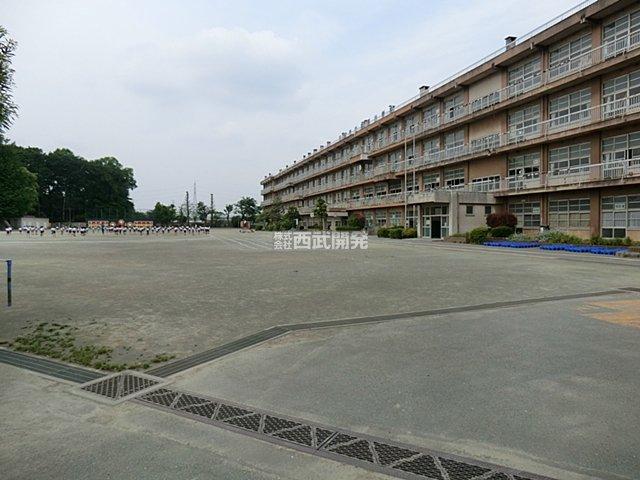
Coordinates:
(572,65)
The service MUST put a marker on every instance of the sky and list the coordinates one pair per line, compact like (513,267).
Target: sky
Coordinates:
(222,93)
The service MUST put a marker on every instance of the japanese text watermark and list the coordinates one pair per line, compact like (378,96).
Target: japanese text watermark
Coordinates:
(319,240)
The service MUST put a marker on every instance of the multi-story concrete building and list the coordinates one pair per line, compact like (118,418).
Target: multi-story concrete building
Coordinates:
(547,128)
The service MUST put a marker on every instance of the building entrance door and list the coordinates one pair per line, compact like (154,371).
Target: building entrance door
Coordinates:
(436,227)
(435,221)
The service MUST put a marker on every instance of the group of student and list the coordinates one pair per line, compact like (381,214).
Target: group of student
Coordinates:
(118,230)
(158,230)
(53,230)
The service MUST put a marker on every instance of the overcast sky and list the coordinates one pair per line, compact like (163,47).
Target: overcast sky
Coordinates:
(223,92)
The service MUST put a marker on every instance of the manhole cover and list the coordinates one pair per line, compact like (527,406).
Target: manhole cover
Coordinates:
(121,386)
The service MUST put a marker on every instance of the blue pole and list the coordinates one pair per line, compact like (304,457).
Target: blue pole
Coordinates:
(9,265)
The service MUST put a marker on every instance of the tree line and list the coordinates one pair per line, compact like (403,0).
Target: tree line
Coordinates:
(63,186)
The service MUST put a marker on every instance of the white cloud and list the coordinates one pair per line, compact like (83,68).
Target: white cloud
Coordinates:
(220,67)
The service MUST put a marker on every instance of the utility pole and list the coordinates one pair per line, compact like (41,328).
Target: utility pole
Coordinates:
(211,212)
(188,207)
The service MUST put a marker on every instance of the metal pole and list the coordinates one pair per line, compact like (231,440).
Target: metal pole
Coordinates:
(188,223)
(211,212)
(9,265)
(405,177)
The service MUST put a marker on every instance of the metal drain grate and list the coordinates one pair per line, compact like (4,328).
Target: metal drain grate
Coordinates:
(121,386)
(372,453)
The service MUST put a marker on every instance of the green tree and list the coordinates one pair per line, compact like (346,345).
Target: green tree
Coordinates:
(18,186)
(228,210)
(163,214)
(289,218)
(247,208)
(202,211)
(271,216)
(320,211)
(8,109)
(72,188)
(356,220)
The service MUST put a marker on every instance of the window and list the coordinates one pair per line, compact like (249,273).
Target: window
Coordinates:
(431,181)
(487,209)
(381,189)
(620,93)
(412,184)
(394,159)
(454,178)
(395,132)
(368,219)
(453,107)
(432,149)
(524,77)
(570,159)
(454,144)
(619,214)
(524,122)
(396,218)
(412,216)
(569,56)
(527,213)
(395,186)
(523,168)
(621,34)
(469,210)
(488,142)
(381,218)
(431,117)
(486,184)
(621,154)
(369,191)
(569,213)
(411,124)
(570,108)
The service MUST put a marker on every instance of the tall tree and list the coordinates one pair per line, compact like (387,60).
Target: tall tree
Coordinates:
(18,186)
(320,211)
(228,210)
(289,218)
(72,188)
(8,109)
(247,208)
(163,214)
(202,211)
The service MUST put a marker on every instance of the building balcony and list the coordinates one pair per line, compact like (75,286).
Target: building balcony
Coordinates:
(572,65)
(597,57)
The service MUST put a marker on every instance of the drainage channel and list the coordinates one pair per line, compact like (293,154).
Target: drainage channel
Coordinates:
(48,367)
(365,451)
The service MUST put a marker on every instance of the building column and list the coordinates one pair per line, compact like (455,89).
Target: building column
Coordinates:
(594,220)
(453,213)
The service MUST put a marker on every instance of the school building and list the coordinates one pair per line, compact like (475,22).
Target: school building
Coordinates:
(547,128)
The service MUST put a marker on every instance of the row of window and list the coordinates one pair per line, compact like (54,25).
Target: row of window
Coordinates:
(618,34)
(619,213)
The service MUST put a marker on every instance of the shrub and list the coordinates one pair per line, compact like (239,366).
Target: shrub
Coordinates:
(519,237)
(409,233)
(559,237)
(383,232)
(478,235)
(347,228)
(504,219)
(395,232)
(501,232)
(356,221)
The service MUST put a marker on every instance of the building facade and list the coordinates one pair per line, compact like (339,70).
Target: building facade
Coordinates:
(548,128)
